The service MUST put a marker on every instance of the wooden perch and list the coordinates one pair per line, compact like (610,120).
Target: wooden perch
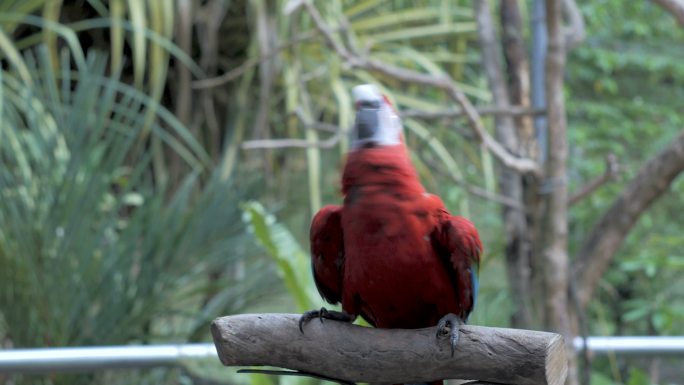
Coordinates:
(360,354)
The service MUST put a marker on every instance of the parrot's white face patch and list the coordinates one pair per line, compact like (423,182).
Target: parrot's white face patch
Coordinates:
(377,123)
(366,92)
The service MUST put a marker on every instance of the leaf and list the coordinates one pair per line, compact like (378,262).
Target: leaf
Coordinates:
(638,377)
(601,379)
(136,10)
(636,313)
(10,51)
(87,242)
(423,32)
(116,33)
(294,266)
(661,321)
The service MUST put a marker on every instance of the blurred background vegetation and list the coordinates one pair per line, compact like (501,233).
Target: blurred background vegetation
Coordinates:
(130,213)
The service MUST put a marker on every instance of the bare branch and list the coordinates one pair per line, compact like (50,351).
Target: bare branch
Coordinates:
(652,181)
(327,127)
(241,69)
(480,192)
(263,144)
(299,143)
(612,170)
(360,354)
(482,111)
(675,7)
(523,165)
(295,143)
(444,82)
(498,198)
(575,31)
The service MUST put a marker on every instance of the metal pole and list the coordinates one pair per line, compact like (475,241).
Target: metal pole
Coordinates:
(657,345)
(86,359)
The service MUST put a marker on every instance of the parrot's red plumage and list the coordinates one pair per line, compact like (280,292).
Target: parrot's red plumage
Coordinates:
(392,253)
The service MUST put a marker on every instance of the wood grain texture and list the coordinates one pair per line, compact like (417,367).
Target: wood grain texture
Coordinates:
(360,354)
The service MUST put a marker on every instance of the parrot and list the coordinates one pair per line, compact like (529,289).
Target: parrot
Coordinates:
(391,253)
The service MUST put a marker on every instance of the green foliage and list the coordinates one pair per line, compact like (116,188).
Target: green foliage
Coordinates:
(294,266)
(132,21)
(625,90)
(120,182)
(88,241)
(625,85)
(147,31)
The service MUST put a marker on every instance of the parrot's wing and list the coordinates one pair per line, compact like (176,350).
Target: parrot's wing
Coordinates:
(327,252)
(460,248)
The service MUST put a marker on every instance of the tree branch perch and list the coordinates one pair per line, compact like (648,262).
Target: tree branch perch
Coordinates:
(359,354)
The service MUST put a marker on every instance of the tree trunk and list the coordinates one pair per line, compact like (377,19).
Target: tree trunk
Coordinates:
(510,181)
(519,84)
(518,70)
(555,252)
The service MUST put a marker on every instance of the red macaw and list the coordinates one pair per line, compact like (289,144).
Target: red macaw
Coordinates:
(392,253)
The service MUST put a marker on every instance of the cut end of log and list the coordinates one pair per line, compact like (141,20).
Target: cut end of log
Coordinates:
(556,361)
(220,342)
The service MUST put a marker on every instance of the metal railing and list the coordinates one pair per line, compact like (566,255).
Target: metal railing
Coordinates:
(87,359)
(648,345)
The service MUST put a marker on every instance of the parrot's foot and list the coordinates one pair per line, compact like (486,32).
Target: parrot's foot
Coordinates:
(449,326)
(324,314)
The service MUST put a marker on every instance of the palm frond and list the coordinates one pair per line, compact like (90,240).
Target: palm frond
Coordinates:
(88,240)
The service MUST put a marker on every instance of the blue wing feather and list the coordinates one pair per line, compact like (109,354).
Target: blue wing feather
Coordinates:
(475,279)
(460,239)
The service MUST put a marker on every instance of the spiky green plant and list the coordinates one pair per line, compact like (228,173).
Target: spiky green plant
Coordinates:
(94,250)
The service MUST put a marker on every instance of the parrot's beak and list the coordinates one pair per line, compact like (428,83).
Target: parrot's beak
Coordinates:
(367,123)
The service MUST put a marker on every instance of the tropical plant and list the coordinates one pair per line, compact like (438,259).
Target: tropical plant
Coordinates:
(95,250)
(292,261)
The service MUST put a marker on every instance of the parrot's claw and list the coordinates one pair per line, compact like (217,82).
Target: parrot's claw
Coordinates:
(324,313)
(449,326)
